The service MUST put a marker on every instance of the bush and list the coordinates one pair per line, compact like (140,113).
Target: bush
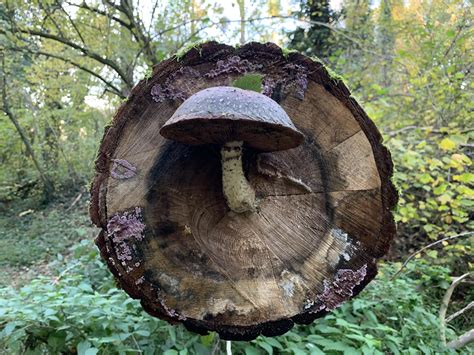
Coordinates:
(82,311)
(432,173)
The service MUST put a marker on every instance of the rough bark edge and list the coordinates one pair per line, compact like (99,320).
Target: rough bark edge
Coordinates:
(208,52)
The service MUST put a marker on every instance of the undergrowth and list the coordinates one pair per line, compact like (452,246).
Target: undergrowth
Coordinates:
(31,235)
(79,309)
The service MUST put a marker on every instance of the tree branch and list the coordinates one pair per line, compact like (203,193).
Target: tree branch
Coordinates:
(445,303)
(115,90)
(458,313)
(464,339)
(155,6)
(322,24)
(84,6)
(71,22)
(139,33)
(128,81)
(134,25)
(466,234)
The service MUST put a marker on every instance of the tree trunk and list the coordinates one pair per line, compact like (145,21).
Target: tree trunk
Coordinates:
(48,187)
(324,208)
(241,4)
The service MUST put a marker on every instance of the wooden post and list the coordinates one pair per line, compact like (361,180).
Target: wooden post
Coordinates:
(323,214)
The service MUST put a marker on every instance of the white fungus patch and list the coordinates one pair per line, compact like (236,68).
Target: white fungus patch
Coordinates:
(308,304)
(290,283)
(350,245)
(288,287)
(169,281)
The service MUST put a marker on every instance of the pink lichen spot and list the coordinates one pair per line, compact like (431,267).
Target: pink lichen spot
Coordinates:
(125,228)
(293,76)
(233,64)
(172,313)
(341,288)
(172,89)
(122,169)
(160,93)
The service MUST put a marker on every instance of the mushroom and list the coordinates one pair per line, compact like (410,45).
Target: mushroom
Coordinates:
(233,118)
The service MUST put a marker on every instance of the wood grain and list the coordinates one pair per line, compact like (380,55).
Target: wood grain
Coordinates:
(324,208)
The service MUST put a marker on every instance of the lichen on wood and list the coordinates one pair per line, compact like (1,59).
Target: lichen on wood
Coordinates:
(169,90)
(292,76)
(233,64)
(341,288)
(122,169)
(124,229)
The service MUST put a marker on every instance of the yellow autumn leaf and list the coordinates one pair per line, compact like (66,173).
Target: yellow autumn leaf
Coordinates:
(447,144)
(444,199)
(457,157)
(461,158)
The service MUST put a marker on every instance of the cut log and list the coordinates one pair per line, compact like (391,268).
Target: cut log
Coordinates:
(324,208)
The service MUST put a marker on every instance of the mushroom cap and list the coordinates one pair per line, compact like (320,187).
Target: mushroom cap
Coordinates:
(221,114)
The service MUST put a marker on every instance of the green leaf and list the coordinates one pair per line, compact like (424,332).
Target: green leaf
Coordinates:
(297,351)
(315,350)
(266,346)
(207,339)
(9,328)
(251,82)
(329,330)
(249,350)
(83,346)
(144,333)
(339,346)
(273,342)
(466,178)
(426,178)
(393,348)
(450,33)
(172,334)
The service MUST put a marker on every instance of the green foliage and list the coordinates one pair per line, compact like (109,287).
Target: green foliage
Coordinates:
(286,52)
(249,82)
(81,310)
(187,47)
(317,37)
(434,176)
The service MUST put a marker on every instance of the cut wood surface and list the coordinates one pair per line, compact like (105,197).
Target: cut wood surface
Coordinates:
(324,208)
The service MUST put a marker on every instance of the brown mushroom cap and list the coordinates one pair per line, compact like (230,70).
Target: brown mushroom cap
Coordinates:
(221,114)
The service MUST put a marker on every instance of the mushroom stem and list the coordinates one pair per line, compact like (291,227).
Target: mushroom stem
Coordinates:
(238,192)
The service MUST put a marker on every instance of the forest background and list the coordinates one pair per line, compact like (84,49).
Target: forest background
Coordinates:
(65,66)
